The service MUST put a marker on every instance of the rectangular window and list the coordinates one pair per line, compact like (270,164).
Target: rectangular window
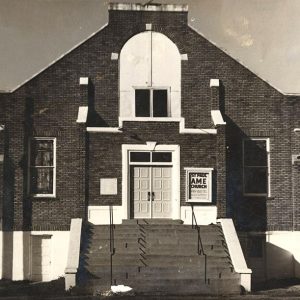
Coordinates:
(42,167)
(161,157)
(256,166)
(140,156)
(160,103)
(142,103)
(151,103)
(150,157)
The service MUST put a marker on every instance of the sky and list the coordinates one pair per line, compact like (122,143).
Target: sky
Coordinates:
(261,34)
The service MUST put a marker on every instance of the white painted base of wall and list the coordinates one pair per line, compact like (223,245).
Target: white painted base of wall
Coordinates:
(282,254)
(15,250)
(99,215)
(205,215)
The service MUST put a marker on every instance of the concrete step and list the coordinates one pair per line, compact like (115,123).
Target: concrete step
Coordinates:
(152,221)
(174,287)
(171,240)
(185,250)
(125,276)
(155,248)
(167,272)
(152,227)
(160,258)
(155,232)
(188,272)
(123,272)
(156,260)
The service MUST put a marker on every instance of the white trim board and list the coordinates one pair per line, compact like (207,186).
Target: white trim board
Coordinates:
(236,252)
(181,121)
(175,149)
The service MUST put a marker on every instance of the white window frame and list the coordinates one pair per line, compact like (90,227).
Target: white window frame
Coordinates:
(53,195)
(150,163)
(175,149)
(151,89)
(268,194)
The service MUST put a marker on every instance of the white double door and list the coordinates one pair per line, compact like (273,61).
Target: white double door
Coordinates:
(152,191)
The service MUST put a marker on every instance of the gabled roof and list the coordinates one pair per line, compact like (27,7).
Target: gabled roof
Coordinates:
(140,7)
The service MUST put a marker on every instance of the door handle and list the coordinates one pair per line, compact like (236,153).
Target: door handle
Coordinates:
(153,196)
(148,197)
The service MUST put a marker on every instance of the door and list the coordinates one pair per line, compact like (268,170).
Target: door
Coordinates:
(151,189)
(41,258)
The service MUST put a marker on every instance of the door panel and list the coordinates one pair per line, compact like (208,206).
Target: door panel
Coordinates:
(152,195)
(141,188)
(162,200)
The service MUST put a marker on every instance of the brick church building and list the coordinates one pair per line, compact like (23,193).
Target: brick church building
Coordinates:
(147,123)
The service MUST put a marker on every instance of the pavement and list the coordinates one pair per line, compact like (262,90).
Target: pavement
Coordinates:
(55,291)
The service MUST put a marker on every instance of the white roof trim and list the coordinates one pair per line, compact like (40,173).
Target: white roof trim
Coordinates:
(149,7)
(181,121)
(104,129)
(57,59)
(217,118)
(296,129)
(82,114)
(2,127)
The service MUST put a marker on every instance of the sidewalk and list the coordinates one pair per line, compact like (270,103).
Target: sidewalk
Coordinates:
(55,291)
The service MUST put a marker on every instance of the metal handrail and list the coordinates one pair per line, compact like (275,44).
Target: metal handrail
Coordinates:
(200,244)
(111,241)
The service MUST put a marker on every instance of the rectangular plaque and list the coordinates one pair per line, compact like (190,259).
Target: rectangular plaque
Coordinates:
(108,186)
(198,184)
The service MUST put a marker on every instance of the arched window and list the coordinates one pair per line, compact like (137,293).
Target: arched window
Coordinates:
(150,77)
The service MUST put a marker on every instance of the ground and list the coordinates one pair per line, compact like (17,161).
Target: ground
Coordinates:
(274,290)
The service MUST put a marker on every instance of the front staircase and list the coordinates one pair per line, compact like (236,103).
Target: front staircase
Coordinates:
(157,257)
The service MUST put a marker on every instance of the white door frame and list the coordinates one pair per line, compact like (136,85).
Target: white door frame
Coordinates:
(151,146)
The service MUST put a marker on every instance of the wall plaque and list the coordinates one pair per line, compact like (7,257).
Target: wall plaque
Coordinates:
(198,184)
(108,186)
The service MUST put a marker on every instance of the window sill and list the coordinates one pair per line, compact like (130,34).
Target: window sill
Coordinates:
(43,197)
(257,195)
(180,120)
(149,119)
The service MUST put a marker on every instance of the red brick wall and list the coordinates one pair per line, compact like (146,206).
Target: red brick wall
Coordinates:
(250,106)
(105,155)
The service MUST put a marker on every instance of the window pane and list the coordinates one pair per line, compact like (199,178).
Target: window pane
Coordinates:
(41,181)
(160,103)
(255,153)
(162,157)
(140,156)
(142,103)
(255,180)
(41,153)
